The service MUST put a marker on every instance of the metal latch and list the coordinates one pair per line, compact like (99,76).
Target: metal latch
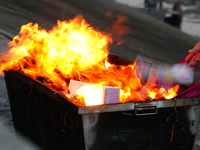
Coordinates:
(146,108)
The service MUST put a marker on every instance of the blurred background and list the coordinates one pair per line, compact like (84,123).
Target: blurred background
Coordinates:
(161,9)
(163,30)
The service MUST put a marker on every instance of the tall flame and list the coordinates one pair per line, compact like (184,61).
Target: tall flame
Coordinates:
(75,50)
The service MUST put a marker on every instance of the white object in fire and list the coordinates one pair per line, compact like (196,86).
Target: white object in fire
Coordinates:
(111,94)
(95,94)
(182,73)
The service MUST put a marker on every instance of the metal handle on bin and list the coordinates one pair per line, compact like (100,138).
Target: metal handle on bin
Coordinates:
(146,109)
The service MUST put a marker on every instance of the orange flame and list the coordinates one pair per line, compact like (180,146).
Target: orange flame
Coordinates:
(75,50)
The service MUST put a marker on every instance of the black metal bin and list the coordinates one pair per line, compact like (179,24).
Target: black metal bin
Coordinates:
(53,122)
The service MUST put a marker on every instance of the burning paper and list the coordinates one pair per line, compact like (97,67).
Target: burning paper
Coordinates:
(91,93)
(111,95)
(94,94)
(166,75)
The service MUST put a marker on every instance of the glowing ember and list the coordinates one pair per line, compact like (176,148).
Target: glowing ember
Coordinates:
(75,50)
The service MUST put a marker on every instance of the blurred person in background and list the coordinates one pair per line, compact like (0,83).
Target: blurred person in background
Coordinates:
(175,17)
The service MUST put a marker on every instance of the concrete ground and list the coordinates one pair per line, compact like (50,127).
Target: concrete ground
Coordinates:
(149,37)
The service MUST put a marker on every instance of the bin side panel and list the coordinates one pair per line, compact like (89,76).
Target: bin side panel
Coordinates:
(43,116)
(167,130)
